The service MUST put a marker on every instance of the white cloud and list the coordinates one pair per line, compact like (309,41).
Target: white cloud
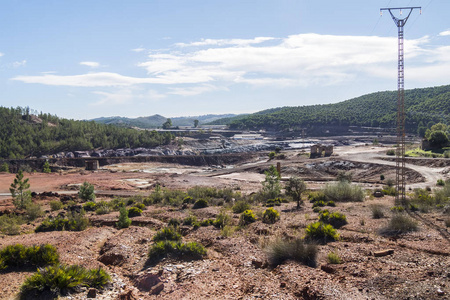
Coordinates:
(126,96)
(1,54)
(17,64)
(296,61)
(224,42)
(139,49)
(91,64)
(444,33)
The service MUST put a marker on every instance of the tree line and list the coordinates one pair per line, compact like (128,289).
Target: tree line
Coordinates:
(423,107)
(23,134)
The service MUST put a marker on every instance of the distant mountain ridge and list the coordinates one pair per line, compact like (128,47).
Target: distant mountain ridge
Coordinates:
(156,120)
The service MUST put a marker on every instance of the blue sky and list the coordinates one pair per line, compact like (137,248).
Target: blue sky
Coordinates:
(89,58)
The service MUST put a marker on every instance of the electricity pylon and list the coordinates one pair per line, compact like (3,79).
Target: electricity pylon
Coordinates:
(400,153)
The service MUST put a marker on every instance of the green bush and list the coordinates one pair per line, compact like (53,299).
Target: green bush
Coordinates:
(60,280)
(331,203)
(56,205)
(399,224)
(4,167)
(46,168)
(75,222)
(190,220)
(207,222)
(318,203)
(176,249)
(343,191)
(86,192)
(333,258)
(167,234)
(397,209)
(89,206)
(188,200)
(321,232)
(139,205)
(377,211)
(273,202)
(134,212)
(174,222)
(240,206)
(270,216)
(10,224)
(33,211)
(124,220)
(335,219)
(389,190)
(102,208)
(317,209)
(247,217)
(316,196)
(440,182)
(390,152)
(200,203)
(281,250)
(222,220)
(35,256)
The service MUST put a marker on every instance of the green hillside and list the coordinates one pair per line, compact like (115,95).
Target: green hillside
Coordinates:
(23,134)
(374,110)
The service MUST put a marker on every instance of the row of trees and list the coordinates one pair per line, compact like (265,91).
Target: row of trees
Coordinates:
(23,135)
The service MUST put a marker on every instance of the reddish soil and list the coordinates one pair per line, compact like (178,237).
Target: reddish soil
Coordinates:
(236,263)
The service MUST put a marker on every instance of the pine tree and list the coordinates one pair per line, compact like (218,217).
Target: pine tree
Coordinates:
(19,191)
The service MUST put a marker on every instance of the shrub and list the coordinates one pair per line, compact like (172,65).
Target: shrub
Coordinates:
(188,200)
(389,190)
(399,224)
(19,191)
(141,206)
(331,203)
(206,222)
(86,192)
(176,249)
(174,222)
(240,206)
(75,222)
(440,182)
(134,212)
(167,234)
(333,258)
(4,167)
(102,208)
(343,192)
(344,176)
(321,232)
(124,220)
(200,203)
(273,202)
(270,216)
(316,196)
(222,220)
(382,177)
(35,256)
(271,187)
(397,209)
(377,211)
(280,250)
(10,224)
(190,220)
(390,152)
(61,279)
(89,206)
(294,188)
(335,219)
(46,168)
(317,209)
(272,155)
(319,203)
(247,217)
(56,205)
(33,211)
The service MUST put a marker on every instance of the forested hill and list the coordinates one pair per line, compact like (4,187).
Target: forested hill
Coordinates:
(375,110)
(23,135)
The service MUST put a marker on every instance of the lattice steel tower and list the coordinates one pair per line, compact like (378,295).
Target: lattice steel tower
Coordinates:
(400,153)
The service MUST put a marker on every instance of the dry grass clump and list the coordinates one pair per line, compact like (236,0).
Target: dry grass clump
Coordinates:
(399,224)
(281,250)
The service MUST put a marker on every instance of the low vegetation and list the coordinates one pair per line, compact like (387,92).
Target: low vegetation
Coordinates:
(298,250)
(321,232)
(60,280)
(176,249)
(399,224)
(343,191)
(270,216)
(35,256)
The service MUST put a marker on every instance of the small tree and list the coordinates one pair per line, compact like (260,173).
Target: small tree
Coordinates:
(4,167)
(46,168)
(294,188)
(195,123)
(86,192)
(19,191)
(167,124)
(271,185)
(124,220)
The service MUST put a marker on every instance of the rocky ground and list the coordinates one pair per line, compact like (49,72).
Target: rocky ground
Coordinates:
(417,265)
